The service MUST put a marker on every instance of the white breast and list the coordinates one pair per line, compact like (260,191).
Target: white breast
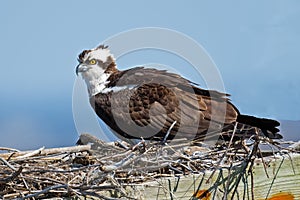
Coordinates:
(96,80)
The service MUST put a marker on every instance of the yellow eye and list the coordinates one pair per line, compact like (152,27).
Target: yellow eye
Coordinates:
(93,62)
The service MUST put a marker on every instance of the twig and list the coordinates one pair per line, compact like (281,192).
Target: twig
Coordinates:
(12,177)
(8,149)
(65,186)
(30,154)
(168,132)
(98,196)
(7,163)
(275,176)
(264,164)
(49,151)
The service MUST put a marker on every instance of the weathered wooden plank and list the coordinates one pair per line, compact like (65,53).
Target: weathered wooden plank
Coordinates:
(284,176)
(283,182)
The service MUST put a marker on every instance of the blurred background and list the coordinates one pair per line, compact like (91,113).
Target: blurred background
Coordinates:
(255,46)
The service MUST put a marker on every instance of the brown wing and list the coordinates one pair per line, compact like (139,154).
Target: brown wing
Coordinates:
(161,99)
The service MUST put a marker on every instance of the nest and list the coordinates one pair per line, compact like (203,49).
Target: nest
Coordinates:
(97,169)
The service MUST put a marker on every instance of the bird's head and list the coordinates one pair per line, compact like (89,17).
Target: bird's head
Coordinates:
(95,60)
(95,66)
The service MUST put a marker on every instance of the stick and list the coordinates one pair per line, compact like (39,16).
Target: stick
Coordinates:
(12,177)
(65,186)
(30,154)
(43,152)
(7,163)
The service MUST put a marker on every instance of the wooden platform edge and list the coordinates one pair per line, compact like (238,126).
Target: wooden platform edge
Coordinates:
(279,180)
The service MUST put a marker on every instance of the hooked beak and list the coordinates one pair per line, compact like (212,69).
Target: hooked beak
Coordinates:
(81,68)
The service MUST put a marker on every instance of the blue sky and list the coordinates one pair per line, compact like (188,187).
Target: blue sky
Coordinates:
(254,45)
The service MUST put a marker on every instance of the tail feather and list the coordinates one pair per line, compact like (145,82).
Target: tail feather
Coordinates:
(268,126)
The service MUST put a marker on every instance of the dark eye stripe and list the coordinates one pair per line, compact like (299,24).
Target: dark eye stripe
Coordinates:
(82,55)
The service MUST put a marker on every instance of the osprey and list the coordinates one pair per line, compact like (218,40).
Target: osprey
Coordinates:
(156,104)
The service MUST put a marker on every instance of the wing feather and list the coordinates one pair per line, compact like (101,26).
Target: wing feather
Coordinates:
(160,98)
